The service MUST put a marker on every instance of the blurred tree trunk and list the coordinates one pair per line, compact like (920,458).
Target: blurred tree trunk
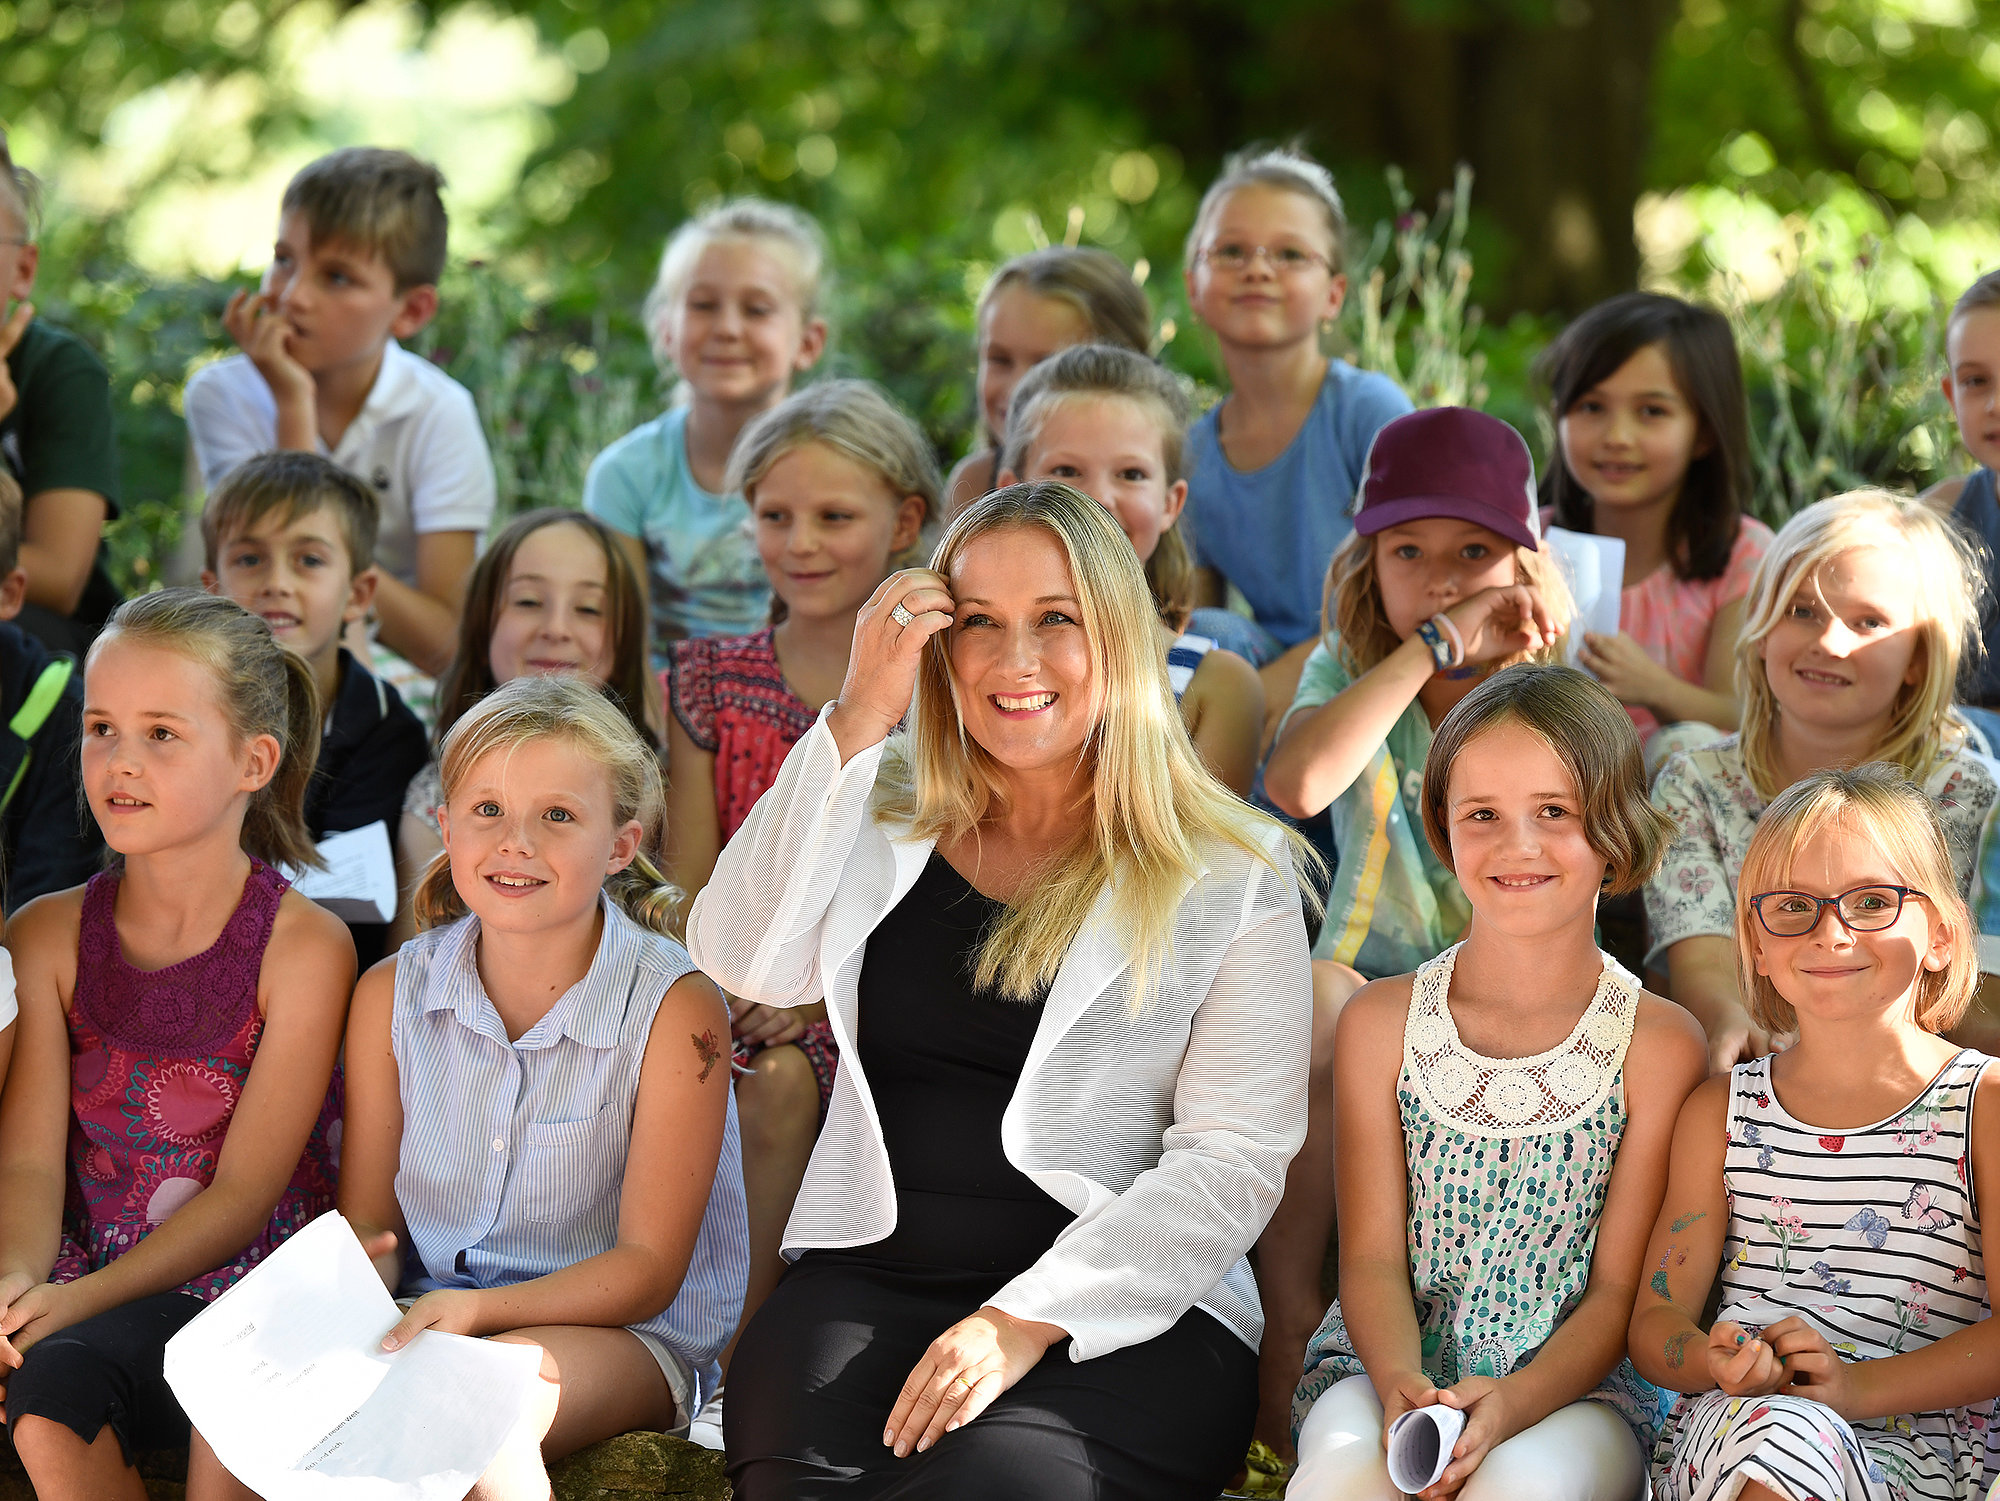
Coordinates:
(1548,102)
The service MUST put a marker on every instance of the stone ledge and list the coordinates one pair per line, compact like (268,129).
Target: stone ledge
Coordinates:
(625,1468)
(640,1465)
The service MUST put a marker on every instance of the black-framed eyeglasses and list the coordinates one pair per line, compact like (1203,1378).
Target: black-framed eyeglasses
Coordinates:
(1865,909)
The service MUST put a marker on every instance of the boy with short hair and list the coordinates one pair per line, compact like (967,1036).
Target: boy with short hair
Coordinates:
(290,537)
(56,441)
(47,841)
(1972,385)
(360,248)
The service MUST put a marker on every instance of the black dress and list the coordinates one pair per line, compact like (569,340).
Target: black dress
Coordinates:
(819,1368)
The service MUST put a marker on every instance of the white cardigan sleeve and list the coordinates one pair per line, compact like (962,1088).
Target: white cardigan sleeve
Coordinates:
(755,928)
(1128,1273)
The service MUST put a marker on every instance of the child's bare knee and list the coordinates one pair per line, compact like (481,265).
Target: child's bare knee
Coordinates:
(1333,986)
(778,1096)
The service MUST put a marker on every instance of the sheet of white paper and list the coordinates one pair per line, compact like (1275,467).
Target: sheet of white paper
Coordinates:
(1595,569)
(359,882)
(1420,1446)
(285,1378)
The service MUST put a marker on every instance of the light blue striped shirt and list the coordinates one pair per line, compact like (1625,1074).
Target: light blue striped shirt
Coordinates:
(513,1153)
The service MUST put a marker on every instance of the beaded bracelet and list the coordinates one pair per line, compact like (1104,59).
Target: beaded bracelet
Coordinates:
(1431,636)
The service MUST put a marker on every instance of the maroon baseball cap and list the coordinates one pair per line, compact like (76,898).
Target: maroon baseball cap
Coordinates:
(1450,461)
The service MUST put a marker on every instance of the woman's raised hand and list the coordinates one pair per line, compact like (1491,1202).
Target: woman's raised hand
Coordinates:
(1503,620)
(908,609)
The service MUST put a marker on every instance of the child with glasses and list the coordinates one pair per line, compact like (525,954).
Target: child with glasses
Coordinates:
(1832,1186)
(1274,467)
(1853,632)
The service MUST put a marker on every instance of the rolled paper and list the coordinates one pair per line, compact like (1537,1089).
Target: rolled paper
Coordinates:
(1420,1446)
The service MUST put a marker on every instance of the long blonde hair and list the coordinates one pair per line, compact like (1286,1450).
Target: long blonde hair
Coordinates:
(1354,614)
(1153,805)
(263,689)
(1922,729)
(565,707)
(1878,804)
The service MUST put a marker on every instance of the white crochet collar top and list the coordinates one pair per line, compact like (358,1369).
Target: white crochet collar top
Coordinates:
(1503,1097)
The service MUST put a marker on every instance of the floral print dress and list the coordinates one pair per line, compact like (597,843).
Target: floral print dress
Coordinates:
(1872,1237)
(158,1062)
(1509,1161)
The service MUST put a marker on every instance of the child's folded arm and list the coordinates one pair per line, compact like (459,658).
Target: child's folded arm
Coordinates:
(1326,742)
(1666,1340)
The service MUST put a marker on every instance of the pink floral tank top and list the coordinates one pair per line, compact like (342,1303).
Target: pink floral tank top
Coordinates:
(158,1060)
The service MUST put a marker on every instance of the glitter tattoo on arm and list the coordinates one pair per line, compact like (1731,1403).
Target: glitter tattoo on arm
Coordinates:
(1677,1347)
(1687,1219)
(708,1051)
(1678,1257)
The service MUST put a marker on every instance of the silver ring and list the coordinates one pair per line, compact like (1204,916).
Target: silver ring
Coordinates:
(900,615)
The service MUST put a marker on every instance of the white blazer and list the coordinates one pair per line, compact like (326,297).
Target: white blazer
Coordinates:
(1166,1130)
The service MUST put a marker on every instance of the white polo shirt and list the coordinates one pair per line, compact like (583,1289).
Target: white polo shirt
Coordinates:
(417,442)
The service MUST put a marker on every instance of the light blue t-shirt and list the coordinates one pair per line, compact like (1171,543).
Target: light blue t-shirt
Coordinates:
(1272,531)
(703,575)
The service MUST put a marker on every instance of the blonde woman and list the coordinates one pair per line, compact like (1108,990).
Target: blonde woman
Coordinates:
(1853,632)
(1068,975)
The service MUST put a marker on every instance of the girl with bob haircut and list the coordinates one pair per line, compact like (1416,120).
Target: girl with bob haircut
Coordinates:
(841,486)
(1832,1185)
(176,1054)
(1032,307)
(1646,394)
(541,1143)
(736,310)
(1500,1163)
(1067,972)
(1853,634)
(1113,423)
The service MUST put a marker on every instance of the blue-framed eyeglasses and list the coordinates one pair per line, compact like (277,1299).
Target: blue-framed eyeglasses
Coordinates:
(1865,909)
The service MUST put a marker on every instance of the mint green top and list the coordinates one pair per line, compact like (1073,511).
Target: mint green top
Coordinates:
(1394,905)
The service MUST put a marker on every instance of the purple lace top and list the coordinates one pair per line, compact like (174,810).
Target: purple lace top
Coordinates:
(158,1060)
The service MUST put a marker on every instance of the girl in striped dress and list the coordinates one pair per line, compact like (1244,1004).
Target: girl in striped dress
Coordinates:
(1836,1185)
(541,1145)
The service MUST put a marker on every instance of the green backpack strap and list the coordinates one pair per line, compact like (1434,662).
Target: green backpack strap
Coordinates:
(34,713)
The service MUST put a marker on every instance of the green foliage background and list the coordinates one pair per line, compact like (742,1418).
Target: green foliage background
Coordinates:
(935,137)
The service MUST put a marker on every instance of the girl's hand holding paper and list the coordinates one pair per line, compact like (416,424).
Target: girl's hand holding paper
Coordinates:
(449,1310)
